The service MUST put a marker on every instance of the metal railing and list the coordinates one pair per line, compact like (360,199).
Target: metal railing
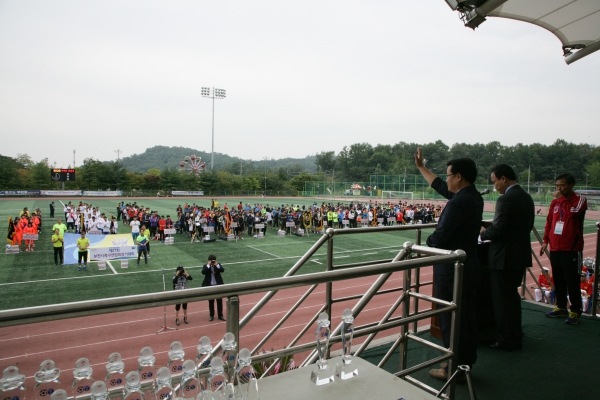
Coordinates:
(529,270)
(411,257)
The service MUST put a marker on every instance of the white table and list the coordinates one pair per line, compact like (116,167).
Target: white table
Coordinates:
(371,383)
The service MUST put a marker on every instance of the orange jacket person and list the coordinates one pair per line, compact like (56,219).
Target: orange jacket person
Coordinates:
(30,230)
(35,221)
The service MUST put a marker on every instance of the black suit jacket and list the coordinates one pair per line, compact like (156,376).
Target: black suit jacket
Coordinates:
(458,226)
(510,232)
(207,274)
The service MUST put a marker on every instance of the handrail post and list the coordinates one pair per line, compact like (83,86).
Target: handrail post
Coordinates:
(405,314)
(595,292)
(233,317)
(417,284)
(455,324)
(329,285)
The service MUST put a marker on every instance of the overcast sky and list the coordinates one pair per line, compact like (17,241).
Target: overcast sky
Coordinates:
(301,77)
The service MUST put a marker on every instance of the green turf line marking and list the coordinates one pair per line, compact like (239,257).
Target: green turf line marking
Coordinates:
(316,261)
(262,251)
(111,267)
(278,244)
(341,248)
(37,251)
(197,266)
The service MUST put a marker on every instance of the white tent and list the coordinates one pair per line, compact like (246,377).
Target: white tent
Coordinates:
(576,23)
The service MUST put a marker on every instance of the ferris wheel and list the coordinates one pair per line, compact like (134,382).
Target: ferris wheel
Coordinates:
(192,164)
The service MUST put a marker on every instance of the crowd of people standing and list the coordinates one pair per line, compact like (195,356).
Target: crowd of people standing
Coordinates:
(254,219)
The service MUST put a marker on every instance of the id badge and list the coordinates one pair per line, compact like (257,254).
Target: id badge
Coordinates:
(558,229)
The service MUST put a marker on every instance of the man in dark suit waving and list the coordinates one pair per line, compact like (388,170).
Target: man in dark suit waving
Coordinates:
(457,228)
(509,254)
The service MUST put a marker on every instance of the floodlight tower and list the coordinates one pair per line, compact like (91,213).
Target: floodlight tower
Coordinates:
(332,181)
(266,159)
(586,180)
(213,93)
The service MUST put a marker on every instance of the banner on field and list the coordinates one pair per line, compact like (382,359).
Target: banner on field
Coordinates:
(19,192)
(113,253)
(101,242)
(187,193)
(108,193)
(61,192)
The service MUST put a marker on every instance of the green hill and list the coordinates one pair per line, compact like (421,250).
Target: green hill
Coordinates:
(160,157)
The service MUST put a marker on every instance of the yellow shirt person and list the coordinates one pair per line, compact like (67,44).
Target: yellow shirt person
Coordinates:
(82,244)
(57,243)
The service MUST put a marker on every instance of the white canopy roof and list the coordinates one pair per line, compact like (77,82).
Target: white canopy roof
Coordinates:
(576,23)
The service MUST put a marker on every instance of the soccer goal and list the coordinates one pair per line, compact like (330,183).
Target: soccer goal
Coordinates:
(393,195)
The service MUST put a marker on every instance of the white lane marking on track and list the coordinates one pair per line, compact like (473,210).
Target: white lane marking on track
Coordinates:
(79,346)
(137,337)
(111,267)
(128,338)
(316,261)
(368,254)
(262,251)
(247,305)
(341,257)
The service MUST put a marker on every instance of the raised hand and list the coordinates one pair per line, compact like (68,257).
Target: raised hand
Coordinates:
(419,158)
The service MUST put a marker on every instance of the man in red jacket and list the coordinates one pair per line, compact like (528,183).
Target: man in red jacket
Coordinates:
(564,236)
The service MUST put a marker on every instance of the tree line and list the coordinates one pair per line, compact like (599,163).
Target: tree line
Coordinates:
(354,163)
(23,173)
(541,163)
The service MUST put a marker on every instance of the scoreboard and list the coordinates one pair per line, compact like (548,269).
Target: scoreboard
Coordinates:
(62,174)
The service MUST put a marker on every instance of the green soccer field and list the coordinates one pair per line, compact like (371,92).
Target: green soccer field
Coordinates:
(31,279)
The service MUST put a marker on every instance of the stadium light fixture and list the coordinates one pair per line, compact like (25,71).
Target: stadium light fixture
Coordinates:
(586,181)
(212,93)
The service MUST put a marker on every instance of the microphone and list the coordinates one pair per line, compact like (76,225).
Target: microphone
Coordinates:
(486,191)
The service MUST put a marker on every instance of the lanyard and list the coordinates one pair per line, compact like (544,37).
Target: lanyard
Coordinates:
(560,211)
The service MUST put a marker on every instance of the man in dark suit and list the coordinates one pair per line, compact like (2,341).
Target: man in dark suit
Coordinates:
(212,276)
(509,254)
(458,228)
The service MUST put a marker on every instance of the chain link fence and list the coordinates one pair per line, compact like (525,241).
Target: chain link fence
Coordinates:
(416,184)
